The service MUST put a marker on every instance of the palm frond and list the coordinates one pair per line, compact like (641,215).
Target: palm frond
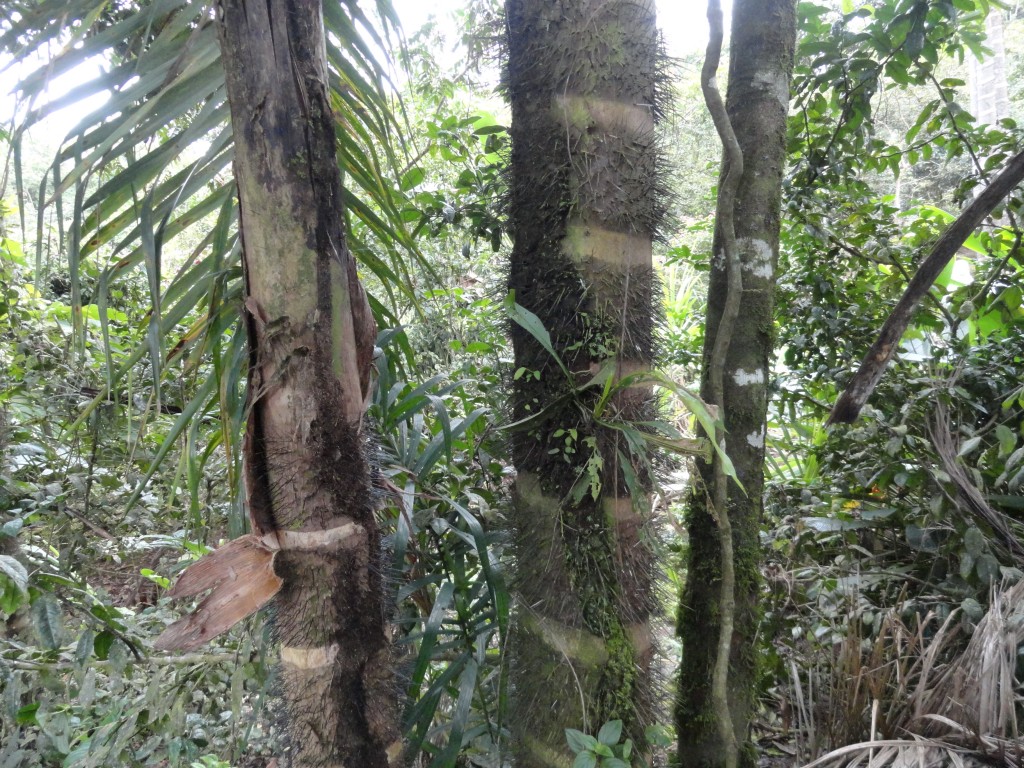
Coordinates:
(155,160)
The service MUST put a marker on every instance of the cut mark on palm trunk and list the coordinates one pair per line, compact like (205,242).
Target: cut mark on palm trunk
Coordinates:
(608,115)
(640,638)
(621,509)
(585,243)
(575,644)
(331,538)
(309,658)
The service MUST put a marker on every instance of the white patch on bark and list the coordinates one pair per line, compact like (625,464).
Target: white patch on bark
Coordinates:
(747,378)
(760,262)
(756,439)
(774,83)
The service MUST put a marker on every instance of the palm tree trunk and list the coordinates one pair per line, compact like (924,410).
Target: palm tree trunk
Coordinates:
(311,338)
(585,202)
(760,67)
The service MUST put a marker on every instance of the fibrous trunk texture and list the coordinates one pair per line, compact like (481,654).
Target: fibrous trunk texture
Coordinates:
(585,201)
(311,339)
(760,68)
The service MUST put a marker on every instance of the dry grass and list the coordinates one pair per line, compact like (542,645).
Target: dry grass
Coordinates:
(910,698)
(893,753)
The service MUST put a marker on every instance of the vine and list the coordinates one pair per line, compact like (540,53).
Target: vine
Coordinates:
(732,171)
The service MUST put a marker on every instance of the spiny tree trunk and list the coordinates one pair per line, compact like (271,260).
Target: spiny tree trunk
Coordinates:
(585,201)
(761,61)
(311,341)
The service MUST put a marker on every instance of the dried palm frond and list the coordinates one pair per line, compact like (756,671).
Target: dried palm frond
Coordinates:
(974,698)
(968,497)
(953,697)
(893,753)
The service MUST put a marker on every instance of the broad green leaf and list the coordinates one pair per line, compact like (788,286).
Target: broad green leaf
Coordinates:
(441,443)
(46,618)
(460,716)
(489,564)
(610,732)
(87,691)
(532,324)
(579,741)
(412,178)
(696,406)
(1007,440)
(84,647)
(11,598)
(987,568)
(974,542)
(966,565)
(969,445)
(15,571)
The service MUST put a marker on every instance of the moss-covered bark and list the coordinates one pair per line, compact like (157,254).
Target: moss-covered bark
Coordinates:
(585,200)
(762,42)
(311,338)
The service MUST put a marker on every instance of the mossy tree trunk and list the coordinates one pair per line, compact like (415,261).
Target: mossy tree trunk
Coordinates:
(585,202)
(760,68)
(311,338)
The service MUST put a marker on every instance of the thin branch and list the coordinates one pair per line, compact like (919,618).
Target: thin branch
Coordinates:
(895,263)
(957,129)
(863,383)
(1012,253)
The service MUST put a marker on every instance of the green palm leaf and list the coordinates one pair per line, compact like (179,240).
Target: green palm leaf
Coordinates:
(155,159)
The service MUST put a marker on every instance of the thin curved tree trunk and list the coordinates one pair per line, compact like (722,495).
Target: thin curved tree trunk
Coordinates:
(311,341)
(585,201)
(761,62)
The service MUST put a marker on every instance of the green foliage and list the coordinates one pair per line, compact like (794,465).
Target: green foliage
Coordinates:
(684,333)
(453,602)
(844,60)
(210,761)
(78,686)
(909,510)
(122,374)
(124,403)
(476,144)
(640,437)
(605,750)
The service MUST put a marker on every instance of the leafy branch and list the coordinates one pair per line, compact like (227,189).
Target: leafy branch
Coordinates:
(873,366)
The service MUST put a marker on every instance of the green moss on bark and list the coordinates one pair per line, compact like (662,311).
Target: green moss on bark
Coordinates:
(580,185)
(762,45)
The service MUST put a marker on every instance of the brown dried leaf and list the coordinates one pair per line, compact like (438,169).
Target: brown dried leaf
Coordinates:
(242,579)
(365,328)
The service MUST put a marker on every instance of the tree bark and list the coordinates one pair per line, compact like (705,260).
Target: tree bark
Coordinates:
(311,339)
(760,68)
(585,201)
